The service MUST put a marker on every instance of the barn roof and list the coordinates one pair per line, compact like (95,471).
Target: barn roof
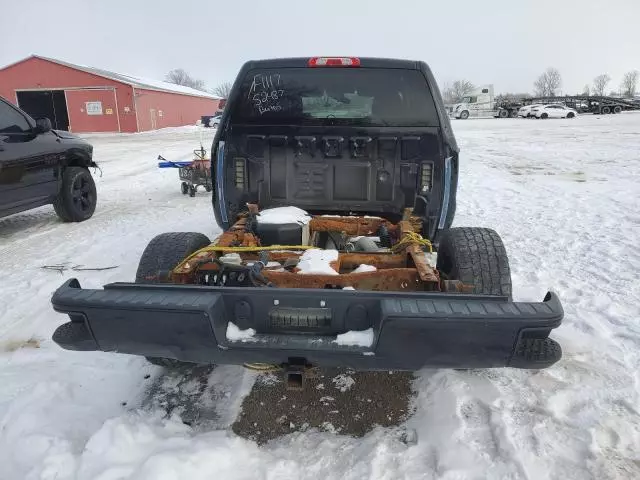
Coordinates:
(134,81)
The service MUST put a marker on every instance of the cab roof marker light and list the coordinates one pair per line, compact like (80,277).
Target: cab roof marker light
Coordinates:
(334,62)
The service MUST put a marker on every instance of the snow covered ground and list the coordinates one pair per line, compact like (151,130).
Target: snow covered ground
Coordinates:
(564,195)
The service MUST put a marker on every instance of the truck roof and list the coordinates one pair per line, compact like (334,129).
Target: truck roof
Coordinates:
(302,62)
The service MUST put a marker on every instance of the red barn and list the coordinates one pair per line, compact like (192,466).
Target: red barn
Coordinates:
(85,99)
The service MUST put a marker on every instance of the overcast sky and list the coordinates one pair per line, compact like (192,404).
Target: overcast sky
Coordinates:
(504,42)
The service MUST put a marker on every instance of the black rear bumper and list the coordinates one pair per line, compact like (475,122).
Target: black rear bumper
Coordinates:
(410,330)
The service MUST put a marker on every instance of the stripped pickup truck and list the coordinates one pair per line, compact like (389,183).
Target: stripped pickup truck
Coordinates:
(335,184)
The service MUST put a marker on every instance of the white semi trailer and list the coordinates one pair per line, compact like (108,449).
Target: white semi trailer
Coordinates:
(482,102)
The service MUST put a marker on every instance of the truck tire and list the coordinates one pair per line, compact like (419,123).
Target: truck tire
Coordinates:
(464,115)
(77,198)
(503,113)
(514,114)
(606,110)
(163,254)
(475,256)
(617,109)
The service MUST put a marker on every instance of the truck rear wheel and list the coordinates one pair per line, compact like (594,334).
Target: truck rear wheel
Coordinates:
(617,109)
(475,256)
(165,252)
(162,255)
(606,110)
(503,113)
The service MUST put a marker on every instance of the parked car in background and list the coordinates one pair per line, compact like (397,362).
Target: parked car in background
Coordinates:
(211,120)
(528,110)
(553,111)
(525,112)
(215,121)
(40,166)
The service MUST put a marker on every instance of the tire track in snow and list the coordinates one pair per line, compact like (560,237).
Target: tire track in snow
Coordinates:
(576,237)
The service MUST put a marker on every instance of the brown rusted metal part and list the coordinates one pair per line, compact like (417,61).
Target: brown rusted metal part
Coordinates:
(234,236)
(394,270)
(335,265)
(349,261)
(405,227)
(348,225)
(427,272)
(416,222)
(395,279)
(253,208)
(237,236)
(250,240)
(455,286)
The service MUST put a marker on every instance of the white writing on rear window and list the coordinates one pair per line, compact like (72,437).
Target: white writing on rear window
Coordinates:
(265,92)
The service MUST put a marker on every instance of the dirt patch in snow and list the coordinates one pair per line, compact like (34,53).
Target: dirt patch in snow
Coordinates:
(334,400)
(13,345)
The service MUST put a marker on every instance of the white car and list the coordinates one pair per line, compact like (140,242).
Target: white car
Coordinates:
(525,112)
(215,121)
(553,111)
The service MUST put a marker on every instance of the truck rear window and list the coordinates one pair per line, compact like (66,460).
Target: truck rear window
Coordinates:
(335,96)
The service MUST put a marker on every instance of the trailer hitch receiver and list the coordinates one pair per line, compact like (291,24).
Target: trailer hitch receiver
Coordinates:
(295,374)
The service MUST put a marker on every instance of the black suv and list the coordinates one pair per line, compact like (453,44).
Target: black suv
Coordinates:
(40,166)
(365,147)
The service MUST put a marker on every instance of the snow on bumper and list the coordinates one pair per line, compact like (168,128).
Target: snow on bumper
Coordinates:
(410,330)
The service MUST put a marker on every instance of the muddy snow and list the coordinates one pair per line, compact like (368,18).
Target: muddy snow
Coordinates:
(564,196)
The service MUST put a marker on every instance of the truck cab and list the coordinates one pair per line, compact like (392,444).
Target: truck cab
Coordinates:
(478,103)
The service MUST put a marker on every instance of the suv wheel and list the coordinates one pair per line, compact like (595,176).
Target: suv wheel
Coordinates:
(77,198)
(162,255)
(475,256)
(464,115)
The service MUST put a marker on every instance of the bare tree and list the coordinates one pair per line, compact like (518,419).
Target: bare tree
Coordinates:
(222,90)
(600,84)
(181,77)
(554,81)
(548,84)
(457,90)
(630,83)
(586,90)
(540,86)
